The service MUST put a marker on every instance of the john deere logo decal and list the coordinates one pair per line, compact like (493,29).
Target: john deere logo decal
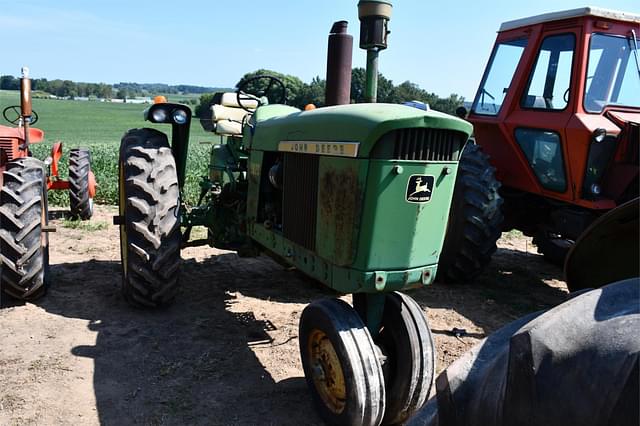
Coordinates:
(419,188)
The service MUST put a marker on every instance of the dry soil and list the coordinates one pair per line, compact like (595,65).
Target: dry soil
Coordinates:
(226,352)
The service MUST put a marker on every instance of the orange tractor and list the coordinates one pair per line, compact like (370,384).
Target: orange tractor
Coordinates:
(24,181)
(557,115)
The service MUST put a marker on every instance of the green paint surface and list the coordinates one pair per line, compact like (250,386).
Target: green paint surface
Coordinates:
(363,123)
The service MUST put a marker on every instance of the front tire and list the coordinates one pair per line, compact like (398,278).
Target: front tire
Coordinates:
(341,364)
(150,230)
(81,184)
(24,248)
(410,368)
(475,219)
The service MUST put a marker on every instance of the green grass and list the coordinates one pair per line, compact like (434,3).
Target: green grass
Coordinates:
(83,225)
(99,126)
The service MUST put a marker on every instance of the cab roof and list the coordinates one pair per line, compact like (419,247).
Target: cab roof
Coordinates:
(572,13)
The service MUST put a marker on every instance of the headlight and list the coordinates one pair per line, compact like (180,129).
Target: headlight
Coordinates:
(179,116)
(159,115)
(599,134)
(595,189)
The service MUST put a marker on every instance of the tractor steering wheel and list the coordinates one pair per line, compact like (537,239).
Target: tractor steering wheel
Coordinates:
(259,82)
(13,114)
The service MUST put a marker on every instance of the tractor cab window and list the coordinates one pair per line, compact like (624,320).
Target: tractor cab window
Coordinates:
(497,79)
(550,80)
(544,153)
(613,73)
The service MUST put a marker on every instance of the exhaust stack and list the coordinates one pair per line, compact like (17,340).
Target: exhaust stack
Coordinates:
(339,53)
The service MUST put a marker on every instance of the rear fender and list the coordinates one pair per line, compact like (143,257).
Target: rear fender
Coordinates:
(607,251)
(56,155)
(35,135)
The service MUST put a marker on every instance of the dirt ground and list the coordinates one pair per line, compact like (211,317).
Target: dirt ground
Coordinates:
(226,352)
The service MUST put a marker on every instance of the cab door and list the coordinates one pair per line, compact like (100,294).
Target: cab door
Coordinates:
(538,122)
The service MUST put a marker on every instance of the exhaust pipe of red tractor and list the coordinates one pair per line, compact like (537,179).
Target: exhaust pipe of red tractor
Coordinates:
(26,109)
(339,54)
(374,18)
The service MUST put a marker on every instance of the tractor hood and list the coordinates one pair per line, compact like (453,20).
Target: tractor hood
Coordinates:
(360,123)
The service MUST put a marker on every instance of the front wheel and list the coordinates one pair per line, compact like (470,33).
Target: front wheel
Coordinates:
(409,370)
(24,247)
(341,364)
(82,184)
(150,227)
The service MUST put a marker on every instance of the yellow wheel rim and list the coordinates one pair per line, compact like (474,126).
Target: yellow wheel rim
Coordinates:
(326,371)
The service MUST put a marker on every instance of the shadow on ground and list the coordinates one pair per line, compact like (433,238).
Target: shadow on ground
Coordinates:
(192,363)
(514,284)
(189,363)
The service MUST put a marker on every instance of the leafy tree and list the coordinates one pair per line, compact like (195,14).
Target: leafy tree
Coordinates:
(294,86)
(122,93)
(313,93)
(358,85)
(205,102)
(9,82)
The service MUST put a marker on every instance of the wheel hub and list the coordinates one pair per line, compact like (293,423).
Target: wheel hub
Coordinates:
(326,371)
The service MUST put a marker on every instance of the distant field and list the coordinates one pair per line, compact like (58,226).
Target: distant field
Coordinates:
(99,126)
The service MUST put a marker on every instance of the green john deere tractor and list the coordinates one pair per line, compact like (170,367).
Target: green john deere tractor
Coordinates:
(356,197)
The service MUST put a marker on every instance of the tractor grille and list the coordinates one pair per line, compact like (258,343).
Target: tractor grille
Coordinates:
(427,144)
(420,144)
(300,199)
(6,145)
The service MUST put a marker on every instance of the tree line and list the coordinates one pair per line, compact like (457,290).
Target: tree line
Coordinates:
(71,89)
(300,93)
(61,88)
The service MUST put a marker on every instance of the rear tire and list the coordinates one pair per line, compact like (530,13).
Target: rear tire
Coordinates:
(341,364)
(80,175)
(24,248)
(475,219)
(150,232)
(575,364)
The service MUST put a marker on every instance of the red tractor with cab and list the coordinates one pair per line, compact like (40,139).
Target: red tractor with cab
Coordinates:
(557,116)
(24,182)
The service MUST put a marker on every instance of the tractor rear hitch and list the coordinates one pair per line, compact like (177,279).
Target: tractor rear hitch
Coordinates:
(48,228)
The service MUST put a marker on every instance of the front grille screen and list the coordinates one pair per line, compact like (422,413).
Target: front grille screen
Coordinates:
(300,199)
(420,144)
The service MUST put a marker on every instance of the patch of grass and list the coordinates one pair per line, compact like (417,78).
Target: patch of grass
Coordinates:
(99,126)
(81,225)
(514,234)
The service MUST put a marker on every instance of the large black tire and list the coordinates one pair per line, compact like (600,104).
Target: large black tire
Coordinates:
(410,368)
(575,364)
(341,364)
(150,230)
(24,248)
(475,219)
(80,200)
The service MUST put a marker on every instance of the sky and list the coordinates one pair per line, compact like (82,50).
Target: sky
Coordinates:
(442,46)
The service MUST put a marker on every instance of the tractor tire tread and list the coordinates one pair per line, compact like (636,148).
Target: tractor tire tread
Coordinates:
(474,221)
(152,219)
(81,204)
(24,254)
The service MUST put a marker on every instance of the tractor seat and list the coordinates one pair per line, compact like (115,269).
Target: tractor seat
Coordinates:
(228,116)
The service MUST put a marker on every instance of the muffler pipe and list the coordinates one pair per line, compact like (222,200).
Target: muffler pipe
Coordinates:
(339,54)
